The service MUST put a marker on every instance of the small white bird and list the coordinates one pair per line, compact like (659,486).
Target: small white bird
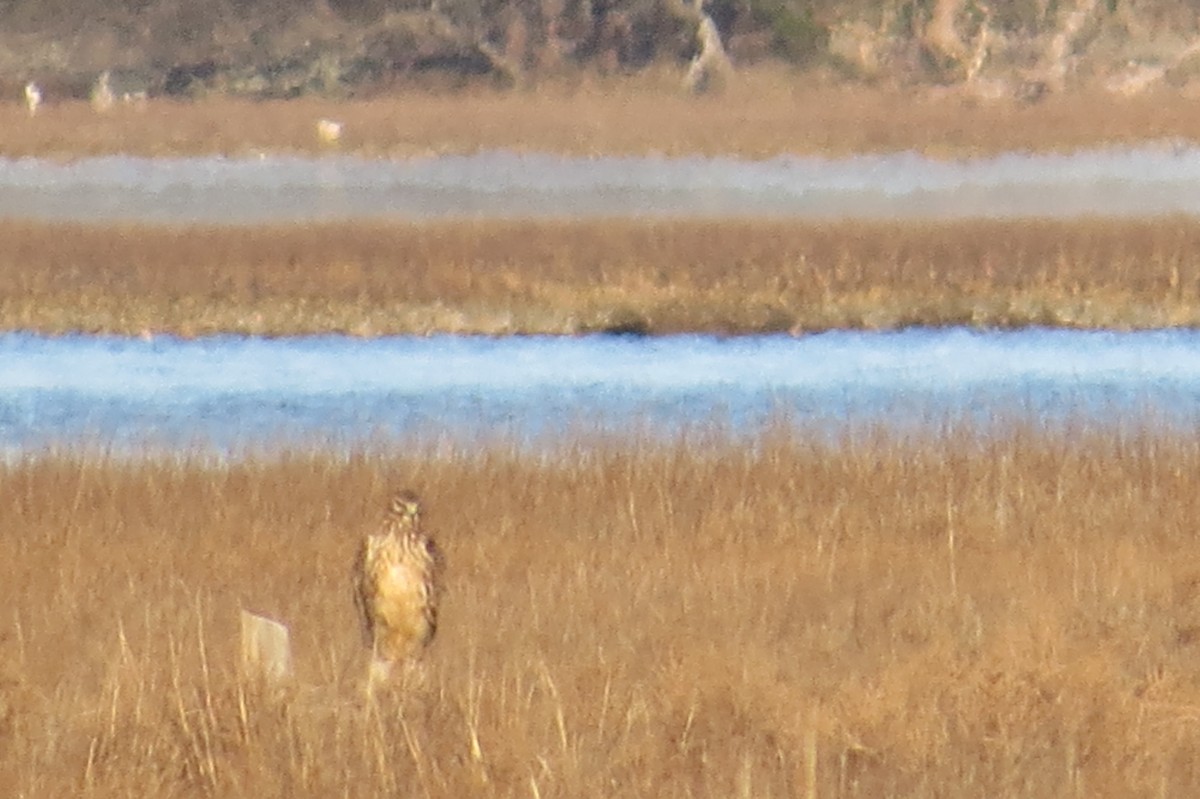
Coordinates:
(102,94)
(33,97)
(329,131)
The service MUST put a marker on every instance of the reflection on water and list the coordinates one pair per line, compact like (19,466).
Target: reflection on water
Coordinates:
(1148,180)
(229,392)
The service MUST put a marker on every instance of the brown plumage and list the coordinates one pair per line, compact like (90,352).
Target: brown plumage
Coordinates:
(396,576)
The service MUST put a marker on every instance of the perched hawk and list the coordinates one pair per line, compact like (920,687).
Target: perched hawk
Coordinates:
(396,580)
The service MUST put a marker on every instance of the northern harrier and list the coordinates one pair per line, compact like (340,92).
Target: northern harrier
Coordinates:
(396,576)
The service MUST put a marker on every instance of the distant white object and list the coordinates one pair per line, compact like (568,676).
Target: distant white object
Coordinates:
(102,97)
(33,97)
(329,131)
(711,65)
(266,649)
(1135,79)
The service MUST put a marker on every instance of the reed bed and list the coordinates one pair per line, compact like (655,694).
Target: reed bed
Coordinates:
(568,277)
(946,613)
(766,111)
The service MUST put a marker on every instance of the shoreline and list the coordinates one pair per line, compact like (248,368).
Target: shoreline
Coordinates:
(653,277)
(768,112)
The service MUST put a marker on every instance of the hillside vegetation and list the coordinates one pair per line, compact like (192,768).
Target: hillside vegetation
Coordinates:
(1022,49)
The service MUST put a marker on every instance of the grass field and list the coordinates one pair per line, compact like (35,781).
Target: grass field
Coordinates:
(948,615)
(569,277)
(767,111)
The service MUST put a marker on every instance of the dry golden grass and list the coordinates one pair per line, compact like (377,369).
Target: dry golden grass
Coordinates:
(766,111)
(569,277)
(950,615)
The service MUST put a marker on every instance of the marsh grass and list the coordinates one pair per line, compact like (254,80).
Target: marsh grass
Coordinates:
(941,614)
(764,112)
(501,277)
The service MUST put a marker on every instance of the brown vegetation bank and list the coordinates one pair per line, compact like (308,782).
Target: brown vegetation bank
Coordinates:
(766,112)
(626,276)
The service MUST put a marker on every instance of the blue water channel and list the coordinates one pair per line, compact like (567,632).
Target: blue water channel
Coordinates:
(229,393)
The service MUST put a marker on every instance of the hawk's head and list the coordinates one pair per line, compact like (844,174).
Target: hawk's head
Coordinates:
(406,506)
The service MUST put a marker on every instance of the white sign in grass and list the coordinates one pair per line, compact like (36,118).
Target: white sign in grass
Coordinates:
(266,649)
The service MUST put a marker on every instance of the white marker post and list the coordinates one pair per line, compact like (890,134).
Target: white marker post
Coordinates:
(266,649)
